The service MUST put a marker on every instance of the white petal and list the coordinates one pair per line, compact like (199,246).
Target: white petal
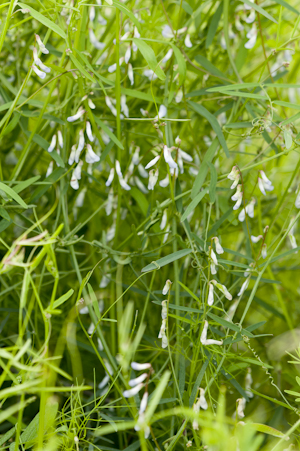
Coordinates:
(152,162)
(162,111)
(133,391)
(137,380)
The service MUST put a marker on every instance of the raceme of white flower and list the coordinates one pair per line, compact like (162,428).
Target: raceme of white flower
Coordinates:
(39,72)
(91,156)
(235,176)
(110,177)
(38,62)
(76,116)
(244,287)
(264,251)
(138,380)
(133,391)
(167,287)
(223,289)
(168,158)
(52,144)
(248,383)
(187,41)
(152,162)
(241,404)
(88,130)
(94,41)
(153,176)
(140,366)
(162,334)
(41,45)
(256,239)
(202,401)
(164,310)
(238,197)
(205,341)
(210,299)
(219,248)
(249,210)
(130,74)
(252,36)
(164,182)
(264,183)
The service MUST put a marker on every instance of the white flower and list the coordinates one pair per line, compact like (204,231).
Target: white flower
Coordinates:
(77,170)
(240,407)
(256,239)
(124,184)
(110,177)
(205,341)
(244,287)
(210,299)
(80,145)
(52,144)
(164,310)
(167,56)
(124,106)
(137,380)
(38,62)
(235,176)
(72,155)
(251,17)
(238,197)
(252,36)
(163,220)
(248,383)
(92,14)
(112,68)
(60,139)
(94,41)
(223,289)
(297,201)
(189,444)
(127,55)
(264,251)
(187,41)
(39,72)
(264,183)
(88,130)
(164,182)
(140,185)
(153,176)
(152,162)
(150,74)
(136,156)
(179,96)
(167,287)
(90,156)
(76,116)
(110,200)
(291,234)
(162,111)
(167,32)
(91,104)
(74,182)
(202,400)
(185,156)
(168,158)
(50,169)
(143,173)
(41,45)
(144,402)
(110,105)
(238,25)
(140,366)
(133,391)
(219,248)
(130,74)
(162,334)
(249,210)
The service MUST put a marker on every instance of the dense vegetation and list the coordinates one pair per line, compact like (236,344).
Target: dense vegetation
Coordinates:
(149,225)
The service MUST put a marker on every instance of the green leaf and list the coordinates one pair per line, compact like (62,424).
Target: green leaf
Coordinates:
(229,325)
(4,214)
(63,299)
(213,182)
(181,64)
(44,20)
(11,193)
(41,190)
(204,168)
(247,95)
(209,66)
(191,207)
(181,308)
(22,185)
(213,26)
(166,260)
(233,87)
(198,383)
(80,67)
(288,139)
(150,57)
(200,109)
(157,395)
(259,9)
(265,429)
(188,291)
(287,6)
(128,13)
(106,151)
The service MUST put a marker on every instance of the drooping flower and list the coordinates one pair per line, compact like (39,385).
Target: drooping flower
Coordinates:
(41,45)
(252,36)
(60,139)
(39,72)
(52,144)
(94,41)
(164,182)
(187,41)
(167,32)
(137,380)
(235,176)
(88,130)
(140,366)
(152,162)
(205,341)
(264,251)
(219,248)
(244,287)
(264,183)
(241,404)
(168,158)
(248,383)
(91,156)
(38,62)
(50,169)
(256,239)
(163,220)
(162,111)
(110,177)
(153,176)
(162,334)
(110,105)
(249,210)
(210,299)
(238,197)
(133,391)
(291,234)
(167,56)
(124,107)
(164,310)
(76,116)
(130,74)
(223,289)
(166,287)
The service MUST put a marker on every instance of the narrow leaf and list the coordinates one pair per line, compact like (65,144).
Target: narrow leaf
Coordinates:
(166,260)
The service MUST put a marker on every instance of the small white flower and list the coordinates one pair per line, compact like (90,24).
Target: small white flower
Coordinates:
(110,177)
(238,25)
(256,239)
(179,96)
(39,72)
(189,444)
(238,197)
(80,145)
(110,200)
(187,41)
(140,366)
(168,158)
(205,341)
(249,210)
(143,173)
(92,14)
(72,155)
(77,170)
(112,68)
(264,183)
(162,111)
(235,176)
(38,62)
(185,156)
(163,220)
(94,41)
(251,17)
(252,36)
(264,251)
(133,391)
(130,74)
(91,104)
(167,287)
(50,169)
(291,234)
(244,287)
(164,310)
(140,185)
(90,156)
(41,45)
(88,130)
(164,182)
(52,144)
(124,107)
(202,400)
(74,182)
(297,201)
(167,56)
(150,74)
(76,116)
(248,383)
(162,334)
(153,176)
(167,32)
(223,289)
(241,407)
(110,105)
(210,299)
(137,380)
(136,156)
(219,248)
(124,184)
(152,162)
(128,55)
(60,139)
